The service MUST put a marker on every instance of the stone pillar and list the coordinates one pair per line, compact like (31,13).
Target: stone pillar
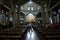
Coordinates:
(46,18)
(0,8)
(57,18)
(16,16)
(14,19)
(43,15)
(14,11)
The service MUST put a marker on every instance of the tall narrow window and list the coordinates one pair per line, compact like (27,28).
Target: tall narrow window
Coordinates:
(11,18)
(38,7)
(22,7)
(31,8)
(16,10)
(50,19)
(2,11)
(58,10)
(28,8)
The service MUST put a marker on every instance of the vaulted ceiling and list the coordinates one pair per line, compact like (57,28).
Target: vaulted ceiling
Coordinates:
(8,2)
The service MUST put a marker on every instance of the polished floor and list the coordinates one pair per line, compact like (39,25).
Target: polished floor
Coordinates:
(31,35)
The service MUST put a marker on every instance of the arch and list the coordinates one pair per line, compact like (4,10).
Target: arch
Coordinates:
(30,18)
(39,18)
(38,15)
(22,14)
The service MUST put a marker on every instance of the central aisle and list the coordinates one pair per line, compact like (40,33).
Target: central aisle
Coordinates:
(31,35)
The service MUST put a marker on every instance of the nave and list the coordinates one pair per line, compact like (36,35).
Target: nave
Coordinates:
(29,19)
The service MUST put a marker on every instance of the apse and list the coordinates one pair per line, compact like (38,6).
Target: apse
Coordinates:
(30,18)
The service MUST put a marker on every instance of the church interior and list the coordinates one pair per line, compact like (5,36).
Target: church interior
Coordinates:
(29,19)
